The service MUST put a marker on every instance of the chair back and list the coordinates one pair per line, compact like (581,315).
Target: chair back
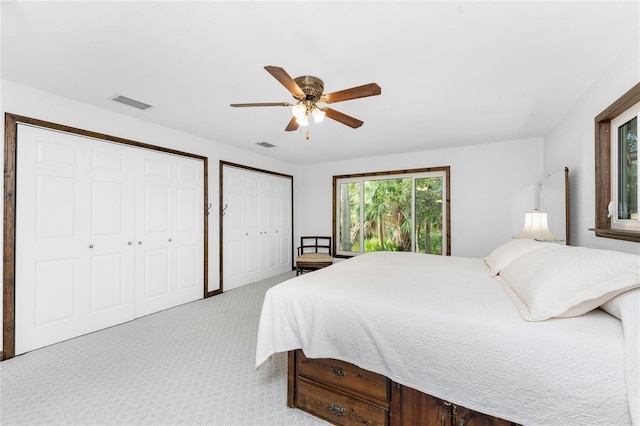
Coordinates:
(315,244)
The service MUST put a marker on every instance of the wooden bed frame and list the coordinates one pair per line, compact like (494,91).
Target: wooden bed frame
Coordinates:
(344,394)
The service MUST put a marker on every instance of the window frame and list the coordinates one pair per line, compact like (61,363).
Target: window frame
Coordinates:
(604,168)
(616,124)
(446,170)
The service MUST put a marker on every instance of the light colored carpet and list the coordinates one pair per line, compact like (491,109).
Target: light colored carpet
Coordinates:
(189,365)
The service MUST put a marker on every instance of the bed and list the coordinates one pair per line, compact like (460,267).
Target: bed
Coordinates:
(518,335)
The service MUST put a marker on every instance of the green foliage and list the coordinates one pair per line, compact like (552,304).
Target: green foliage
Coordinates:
(388,214)
(628,169)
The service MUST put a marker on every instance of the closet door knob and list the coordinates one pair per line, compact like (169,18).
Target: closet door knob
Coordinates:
(90,245)
(129,243)
(170,240)
(139,243)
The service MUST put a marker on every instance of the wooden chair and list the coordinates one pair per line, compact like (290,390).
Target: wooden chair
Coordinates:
(314,253)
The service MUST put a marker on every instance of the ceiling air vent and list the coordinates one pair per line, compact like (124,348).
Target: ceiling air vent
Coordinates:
(265,144)
(131,102)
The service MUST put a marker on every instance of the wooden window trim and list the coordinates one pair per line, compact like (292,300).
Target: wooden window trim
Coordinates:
(447,219)
(603,166)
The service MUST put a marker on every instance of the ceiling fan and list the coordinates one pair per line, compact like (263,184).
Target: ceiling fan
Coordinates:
(307,91)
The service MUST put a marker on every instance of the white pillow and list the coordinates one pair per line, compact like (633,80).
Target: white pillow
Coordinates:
(566,281)
(502,255)
(616,305)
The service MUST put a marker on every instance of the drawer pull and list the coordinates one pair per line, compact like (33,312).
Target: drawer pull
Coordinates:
(337,410)
(338,372)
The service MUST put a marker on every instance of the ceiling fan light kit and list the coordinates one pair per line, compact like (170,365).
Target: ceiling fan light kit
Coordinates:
(308,92)
(318,115)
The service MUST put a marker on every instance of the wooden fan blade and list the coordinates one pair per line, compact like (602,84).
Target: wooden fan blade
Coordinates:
(285,79)
(371,89)
(343,118)
(293,125)
(262,104)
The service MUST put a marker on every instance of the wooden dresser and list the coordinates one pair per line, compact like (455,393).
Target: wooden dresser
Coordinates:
(344,394)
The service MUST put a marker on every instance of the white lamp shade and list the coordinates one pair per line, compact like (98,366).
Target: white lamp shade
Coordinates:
(298,111)
(536,227)
(303,121)
(318,115)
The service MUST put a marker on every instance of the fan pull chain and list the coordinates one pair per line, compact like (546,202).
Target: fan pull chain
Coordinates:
(307,137)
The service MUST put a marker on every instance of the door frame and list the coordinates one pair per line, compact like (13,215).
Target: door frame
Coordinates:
(9,223)
(221,200)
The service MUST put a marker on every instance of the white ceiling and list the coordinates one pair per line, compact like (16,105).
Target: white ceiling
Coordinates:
(452,73)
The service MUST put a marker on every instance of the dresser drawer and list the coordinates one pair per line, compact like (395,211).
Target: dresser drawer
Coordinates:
(336,407)
(346,377)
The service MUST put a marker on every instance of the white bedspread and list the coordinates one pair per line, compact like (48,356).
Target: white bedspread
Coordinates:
(444,326)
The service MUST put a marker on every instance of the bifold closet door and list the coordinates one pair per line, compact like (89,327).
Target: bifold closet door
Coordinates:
(74,223)
(169,232)
(276,224)
(105,233)
(256,226)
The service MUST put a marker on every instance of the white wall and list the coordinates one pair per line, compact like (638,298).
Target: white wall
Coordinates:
(572,143)
(21,100)
(492,186)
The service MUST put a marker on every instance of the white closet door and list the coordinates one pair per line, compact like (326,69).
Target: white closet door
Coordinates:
(74,266)
(276,224)
(169,231)
(105,233)
(233,231)
(241,222)
(256,226)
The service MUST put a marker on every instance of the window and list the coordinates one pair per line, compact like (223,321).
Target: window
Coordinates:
(617,169)
(624,190)
(393,211)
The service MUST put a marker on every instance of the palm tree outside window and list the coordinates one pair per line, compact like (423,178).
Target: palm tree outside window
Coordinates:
(392,211)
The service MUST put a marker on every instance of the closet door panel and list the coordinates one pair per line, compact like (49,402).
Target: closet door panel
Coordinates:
(55,280)
(110,225)
(251,211)
(107,205)
(234,232)
(109,282)
(284,251)
(56,207)
(153,221)
(70,271)
(156,278)
(186,240)
(156,211)
(270,236)
(187,213)
(187,268)
(233,262)
(255,230)
(169,231)
(111,255)
(283,224)
(251,258)
(271,243)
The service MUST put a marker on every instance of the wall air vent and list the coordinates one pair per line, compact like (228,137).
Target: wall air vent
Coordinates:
(265,144)
(131,102)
